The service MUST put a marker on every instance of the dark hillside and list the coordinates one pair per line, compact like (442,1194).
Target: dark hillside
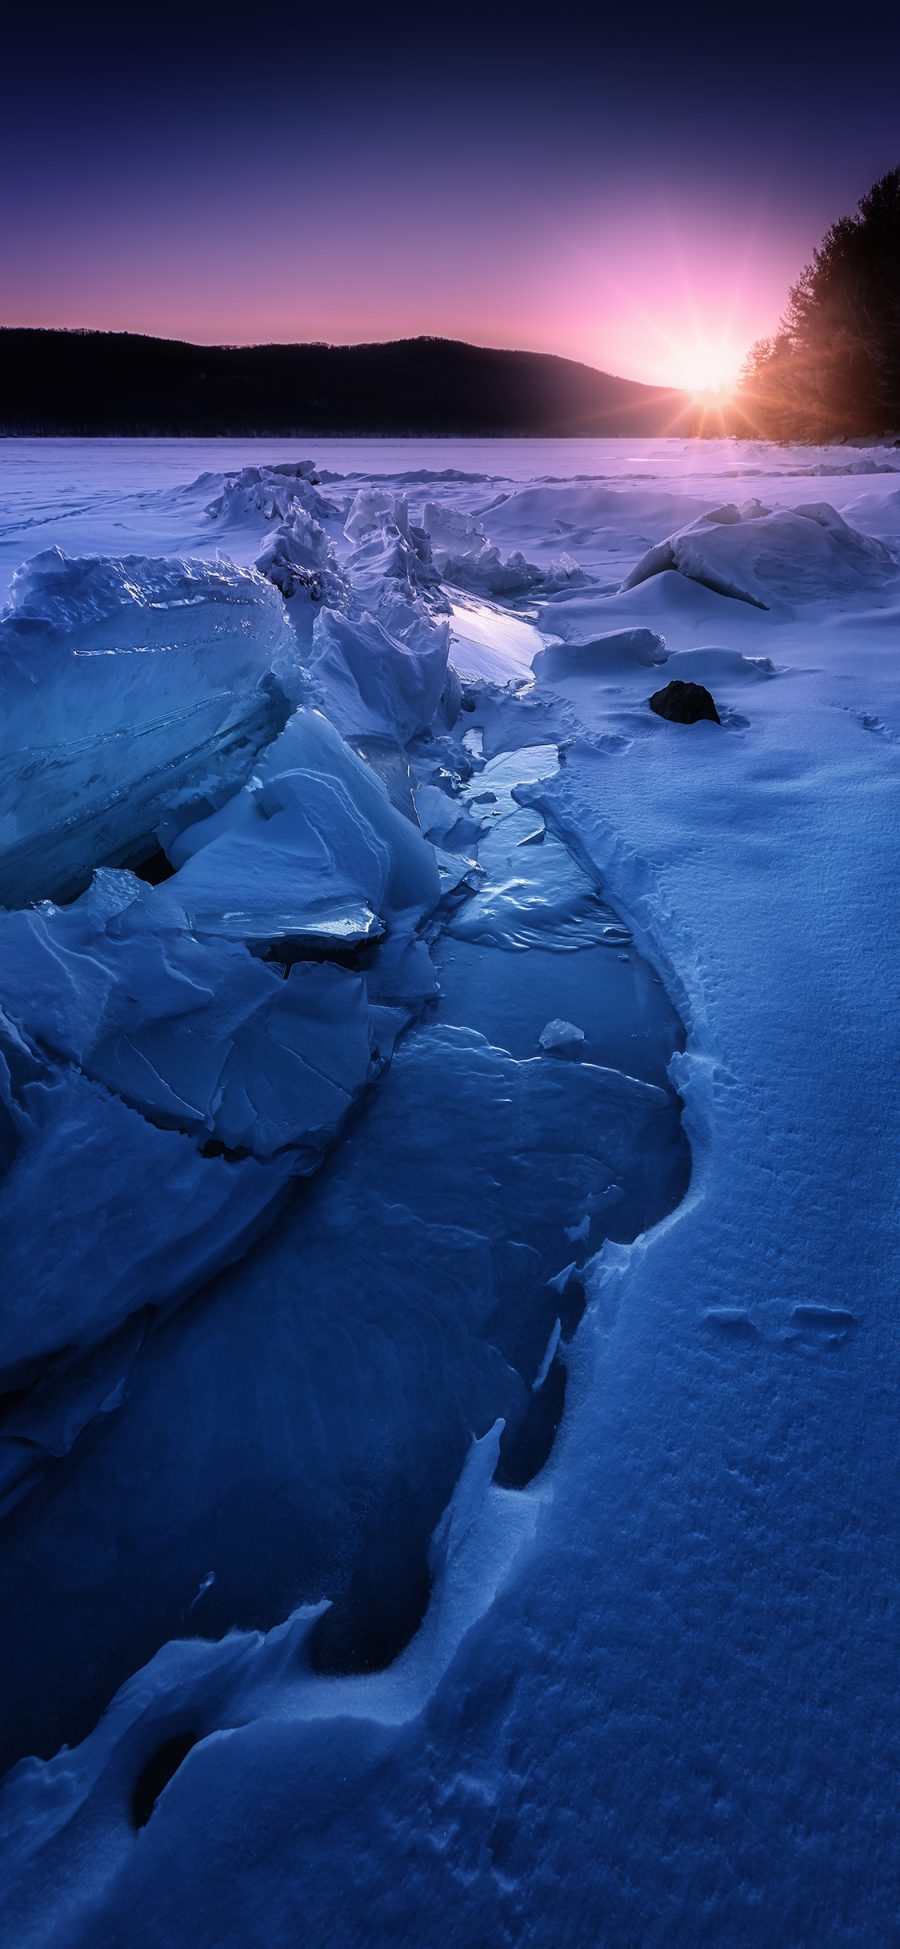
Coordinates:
(77,382)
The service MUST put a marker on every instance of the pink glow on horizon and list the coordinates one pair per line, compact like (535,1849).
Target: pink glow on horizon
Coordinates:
(672,298)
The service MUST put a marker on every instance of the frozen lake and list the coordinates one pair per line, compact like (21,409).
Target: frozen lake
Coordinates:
(449,1348)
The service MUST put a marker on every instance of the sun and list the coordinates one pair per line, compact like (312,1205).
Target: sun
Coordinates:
(707,369)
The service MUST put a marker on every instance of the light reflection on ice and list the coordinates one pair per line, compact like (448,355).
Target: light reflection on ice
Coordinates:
(489,644)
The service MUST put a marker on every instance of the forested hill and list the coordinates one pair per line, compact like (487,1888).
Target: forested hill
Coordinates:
(74,382)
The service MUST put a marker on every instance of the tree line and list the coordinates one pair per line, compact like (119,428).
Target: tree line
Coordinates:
(833,365)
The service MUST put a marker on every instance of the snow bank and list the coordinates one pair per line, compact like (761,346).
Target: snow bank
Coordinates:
(123,682)
(772,559)
(602,655)
(548,512)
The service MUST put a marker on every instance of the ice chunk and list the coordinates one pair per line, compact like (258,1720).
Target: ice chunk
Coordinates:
(394,564)
(299,558)
(381,668)
(469,560)
(311,848)
(121,683)
(561,1038)
(275,493)
(199,1036)
(485,572)
(453,530)
(103,1213)
(535,894)
(378,679)
(370,507)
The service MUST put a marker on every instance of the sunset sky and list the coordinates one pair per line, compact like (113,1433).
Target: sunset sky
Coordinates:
(635,191)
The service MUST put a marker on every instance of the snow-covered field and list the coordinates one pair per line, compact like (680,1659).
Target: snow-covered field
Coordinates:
(450,1135)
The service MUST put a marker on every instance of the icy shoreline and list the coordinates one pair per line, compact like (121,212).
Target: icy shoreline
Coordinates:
(707,1382)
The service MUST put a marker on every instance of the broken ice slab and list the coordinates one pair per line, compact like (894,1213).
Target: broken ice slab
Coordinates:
(120,684)
(312,844)
(534,895)
(318,1400)
(103,1213)
(424,1260)
(198,1035)
(380,675)
(311,928)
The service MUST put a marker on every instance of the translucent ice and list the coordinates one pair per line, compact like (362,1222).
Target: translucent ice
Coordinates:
(121,683)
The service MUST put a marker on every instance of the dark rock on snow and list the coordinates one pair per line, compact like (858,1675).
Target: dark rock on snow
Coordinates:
(684,703)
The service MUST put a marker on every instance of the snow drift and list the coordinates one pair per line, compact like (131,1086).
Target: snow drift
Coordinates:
(772,559)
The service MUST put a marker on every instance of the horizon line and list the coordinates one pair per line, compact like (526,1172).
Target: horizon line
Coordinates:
(344,345)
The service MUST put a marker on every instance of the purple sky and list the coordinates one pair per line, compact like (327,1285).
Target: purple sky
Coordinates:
(636,192)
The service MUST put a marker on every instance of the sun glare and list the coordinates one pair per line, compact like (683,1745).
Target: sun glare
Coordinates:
(708,370)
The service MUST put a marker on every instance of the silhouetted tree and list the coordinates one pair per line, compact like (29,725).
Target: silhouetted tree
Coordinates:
(833,366)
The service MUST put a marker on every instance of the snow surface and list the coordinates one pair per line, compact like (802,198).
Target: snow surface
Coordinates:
(439,1508)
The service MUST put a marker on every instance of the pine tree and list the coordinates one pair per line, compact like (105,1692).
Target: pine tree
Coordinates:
(834,364)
